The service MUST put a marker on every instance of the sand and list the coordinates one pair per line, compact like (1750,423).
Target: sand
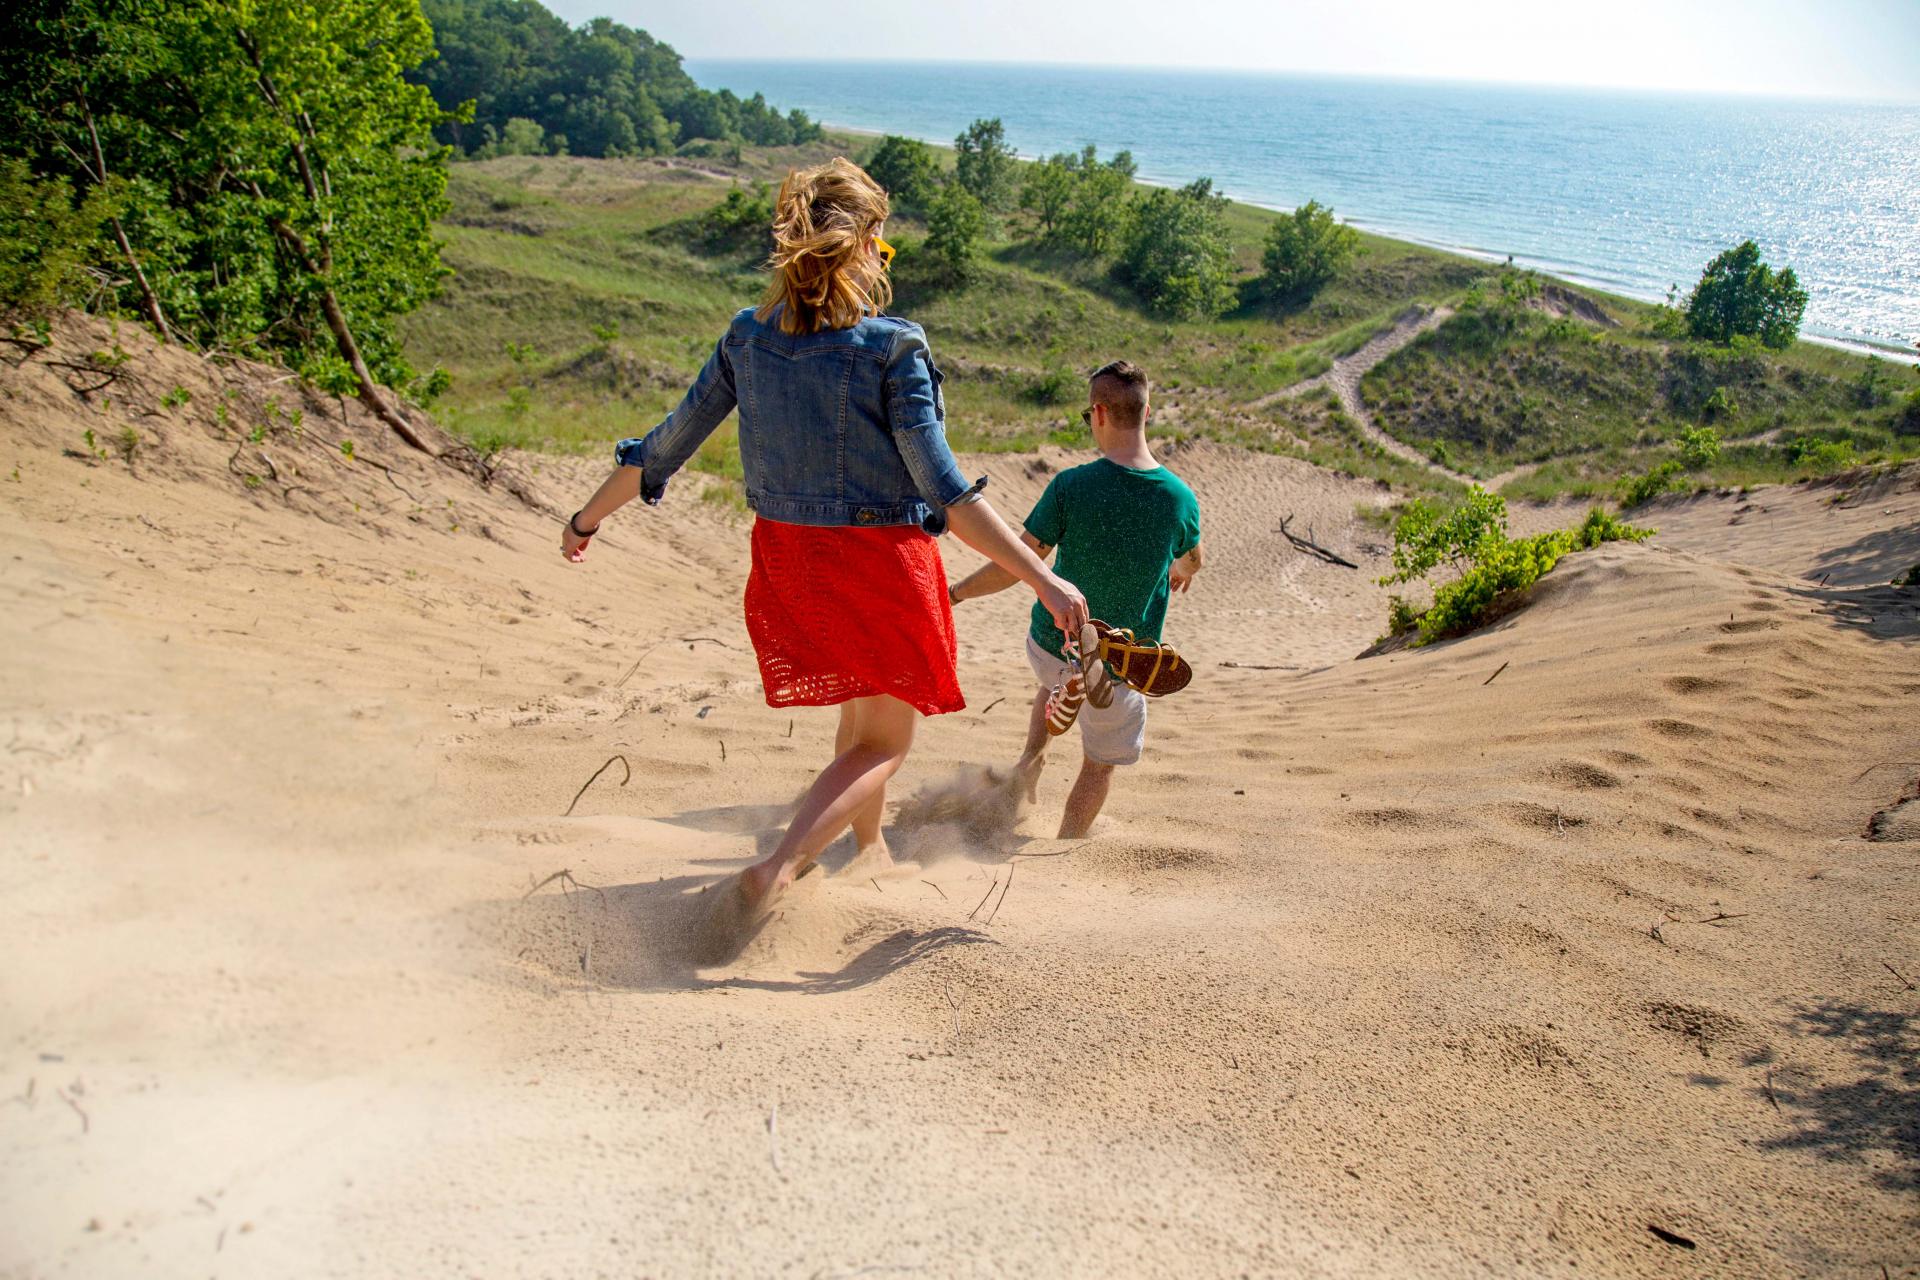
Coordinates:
(1505,955)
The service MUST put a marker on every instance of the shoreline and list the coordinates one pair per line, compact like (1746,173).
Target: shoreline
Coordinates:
(1843,342)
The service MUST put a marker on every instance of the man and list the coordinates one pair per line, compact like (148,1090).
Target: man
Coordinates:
(1128,532)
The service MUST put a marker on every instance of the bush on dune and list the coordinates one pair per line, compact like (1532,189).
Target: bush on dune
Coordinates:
(1490,566)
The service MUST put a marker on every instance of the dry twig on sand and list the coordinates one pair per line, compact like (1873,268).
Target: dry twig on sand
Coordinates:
(565,877)
(1496,675)
(983,898)
(602,769)
(1003,893)
(773,1137)
(1312,548)
(86,1125)
(1671,1237)
(936,888)
(1906,981)
(1260,666)
(991,705)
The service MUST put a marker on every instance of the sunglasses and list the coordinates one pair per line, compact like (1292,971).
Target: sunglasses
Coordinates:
(885,250)
(1086,416)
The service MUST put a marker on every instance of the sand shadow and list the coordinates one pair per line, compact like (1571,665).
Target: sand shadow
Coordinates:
(1876,1112)
(1873,559)
(1884,612)
(661,936)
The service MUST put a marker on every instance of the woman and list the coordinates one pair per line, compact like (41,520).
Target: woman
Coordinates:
(843,443)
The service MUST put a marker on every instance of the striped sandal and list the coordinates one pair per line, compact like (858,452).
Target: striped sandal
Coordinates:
(1092,684)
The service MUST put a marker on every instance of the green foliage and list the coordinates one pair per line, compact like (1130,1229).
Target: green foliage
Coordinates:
(1048,193)
(1304,252)
(273,162)
(1908,421)
(1494,567)
(1870,389)
(1662,477)
(46,241)
(1426,534)
(741,222)
(1819,457)
(1054,385)
(908,170)
(1079,201)
(1699,447)
(1741,296)
(176,397)
(955,224)
(984,166)
(1911,578)
(520,137)
(603,89)
(1720,405)
(1176,255)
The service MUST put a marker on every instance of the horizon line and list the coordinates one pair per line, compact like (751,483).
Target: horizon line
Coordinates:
(1774,95)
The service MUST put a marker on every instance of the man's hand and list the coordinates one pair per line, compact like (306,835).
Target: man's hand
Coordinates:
(1180,576)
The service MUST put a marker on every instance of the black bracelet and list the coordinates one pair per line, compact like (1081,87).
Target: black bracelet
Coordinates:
(573,526)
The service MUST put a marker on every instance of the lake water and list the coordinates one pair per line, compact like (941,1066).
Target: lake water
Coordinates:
(1629,192)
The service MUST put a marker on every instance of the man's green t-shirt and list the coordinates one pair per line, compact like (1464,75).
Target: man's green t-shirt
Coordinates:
(1119,531)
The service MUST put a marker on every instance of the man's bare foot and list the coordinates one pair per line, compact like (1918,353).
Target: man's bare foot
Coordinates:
(1026,772)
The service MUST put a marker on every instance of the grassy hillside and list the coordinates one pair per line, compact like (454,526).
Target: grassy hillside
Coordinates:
(584,295)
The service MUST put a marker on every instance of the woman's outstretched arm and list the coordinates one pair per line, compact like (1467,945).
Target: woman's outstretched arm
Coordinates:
(615,492)
(977,524)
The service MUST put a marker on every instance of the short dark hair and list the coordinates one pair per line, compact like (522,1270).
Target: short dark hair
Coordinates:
(1121,385)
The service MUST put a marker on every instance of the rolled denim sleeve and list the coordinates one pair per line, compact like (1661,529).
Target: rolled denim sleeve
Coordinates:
(666,448)
(917,415)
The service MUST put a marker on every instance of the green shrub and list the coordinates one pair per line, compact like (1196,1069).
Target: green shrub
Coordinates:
(45,240)
(1818,456)
(743,221)
(1720,405)
(1661,478)
(1427,534)
(955,223)
(1502,566)
(1052,386)
(1908,423)
(1176,254)
(908,170)
(1699,447)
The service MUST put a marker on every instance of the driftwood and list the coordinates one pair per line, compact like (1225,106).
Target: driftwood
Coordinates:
(1312,548)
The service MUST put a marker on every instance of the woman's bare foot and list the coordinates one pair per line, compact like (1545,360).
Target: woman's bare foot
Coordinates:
(871,858)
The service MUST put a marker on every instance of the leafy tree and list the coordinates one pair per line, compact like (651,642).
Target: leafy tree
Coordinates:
(606,88)
(1175,254)
(984,167)
(1699,447)
(1741,296)
(1096,221)
(286,183)
(1305,251)
(1047,193)
(908,170)
(46,241)
(955,224)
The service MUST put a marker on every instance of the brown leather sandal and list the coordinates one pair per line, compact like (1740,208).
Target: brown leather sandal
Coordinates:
(1153,668)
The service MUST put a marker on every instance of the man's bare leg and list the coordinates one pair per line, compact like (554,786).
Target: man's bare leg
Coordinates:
(1033,757)
(882,735)
(1084,801)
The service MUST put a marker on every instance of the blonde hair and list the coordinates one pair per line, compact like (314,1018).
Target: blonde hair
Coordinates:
(825,274)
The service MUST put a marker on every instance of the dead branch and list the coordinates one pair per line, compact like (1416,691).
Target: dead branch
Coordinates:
(596,773)
(1770,1098)
(1311,547)
(936,888)
(1908,983)
(565,877)
(86,1125)
(1261,666)
(983,898)
(991,705)
(1003,893)
(1495,676)
(1887,764)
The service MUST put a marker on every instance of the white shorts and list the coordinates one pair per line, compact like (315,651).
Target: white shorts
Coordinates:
(1113,734)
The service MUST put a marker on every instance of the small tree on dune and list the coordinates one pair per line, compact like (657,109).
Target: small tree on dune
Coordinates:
(984,165)
(1304,251)
(908,170)
(1176,255)
(1740,296)
(955,223)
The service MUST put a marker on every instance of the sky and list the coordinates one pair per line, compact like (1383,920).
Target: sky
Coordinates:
(1821,48)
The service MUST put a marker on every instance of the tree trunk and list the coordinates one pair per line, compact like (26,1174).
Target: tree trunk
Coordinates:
(147,298)
(369,389)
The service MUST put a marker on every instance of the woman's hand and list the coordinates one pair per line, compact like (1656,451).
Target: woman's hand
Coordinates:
(572,545)
(1063,600)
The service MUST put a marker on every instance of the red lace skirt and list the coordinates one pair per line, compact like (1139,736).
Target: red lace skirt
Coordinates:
(846,612)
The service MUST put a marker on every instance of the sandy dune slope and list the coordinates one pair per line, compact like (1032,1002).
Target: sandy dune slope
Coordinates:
(1584,945)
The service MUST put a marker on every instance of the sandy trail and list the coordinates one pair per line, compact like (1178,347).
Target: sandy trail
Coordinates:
(1488,956)
(1344,378)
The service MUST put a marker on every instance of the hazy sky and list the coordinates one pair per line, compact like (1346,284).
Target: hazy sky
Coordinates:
(1841,48)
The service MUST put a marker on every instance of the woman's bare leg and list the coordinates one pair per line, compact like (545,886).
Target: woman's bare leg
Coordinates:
(866,819)
(882,734)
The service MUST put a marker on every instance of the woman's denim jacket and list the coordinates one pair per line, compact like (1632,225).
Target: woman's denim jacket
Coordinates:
(842,427)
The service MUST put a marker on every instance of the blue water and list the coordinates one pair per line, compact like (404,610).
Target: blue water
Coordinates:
(1629,192)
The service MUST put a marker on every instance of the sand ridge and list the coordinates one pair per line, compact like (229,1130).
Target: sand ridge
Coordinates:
(1493,955)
